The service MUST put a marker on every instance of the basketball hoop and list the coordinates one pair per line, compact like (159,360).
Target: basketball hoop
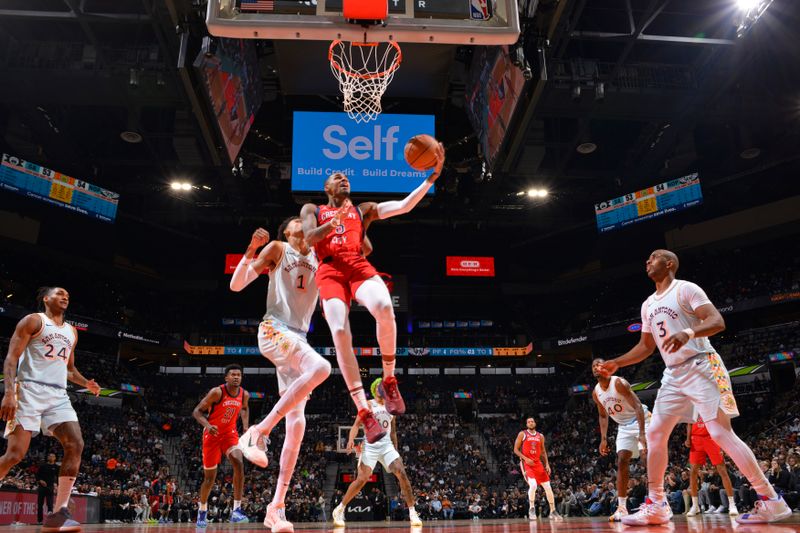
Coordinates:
(364,70)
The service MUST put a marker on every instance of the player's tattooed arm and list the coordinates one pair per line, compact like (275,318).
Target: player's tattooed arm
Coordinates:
(624,388)
(518,450)
(244,413)
(394,434)
(76,377)
(213,396)
(26,328)
(601,413)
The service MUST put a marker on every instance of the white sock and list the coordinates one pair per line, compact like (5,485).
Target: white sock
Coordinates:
(203,507)
(237,504)
(731,502)
(64,490)
(388,366)
(695,501)
(622,501)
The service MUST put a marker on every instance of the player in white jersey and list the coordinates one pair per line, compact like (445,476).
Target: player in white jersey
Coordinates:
(383,451)
(678,319)
(40,361)
(291,299)
(615,399)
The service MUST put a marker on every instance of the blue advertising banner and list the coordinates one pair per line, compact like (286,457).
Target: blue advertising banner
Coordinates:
(370,154)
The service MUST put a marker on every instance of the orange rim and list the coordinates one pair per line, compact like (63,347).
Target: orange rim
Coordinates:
(395,64)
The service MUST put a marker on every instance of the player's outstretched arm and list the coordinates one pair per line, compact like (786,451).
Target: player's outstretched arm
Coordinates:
(603,417)
(624,388)
(379,211)
(76,377)
(248,268)
(213,396)
(643,349)
(26,328)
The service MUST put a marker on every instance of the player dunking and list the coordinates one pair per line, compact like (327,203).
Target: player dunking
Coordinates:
(291,299)
(336,231)
(678,319)
(535,466)
(615,399)
(223,405)
(702,446)
(383,451)
(40,361)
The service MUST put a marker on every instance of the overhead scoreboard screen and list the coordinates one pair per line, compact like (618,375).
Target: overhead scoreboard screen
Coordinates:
(664,198)
(34,181)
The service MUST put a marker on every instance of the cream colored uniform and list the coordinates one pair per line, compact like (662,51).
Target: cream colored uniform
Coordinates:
(291,299)
(624,414)
(382,451)
(695,378)
(42,400)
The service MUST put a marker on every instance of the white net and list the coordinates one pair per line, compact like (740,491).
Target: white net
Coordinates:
(364,70)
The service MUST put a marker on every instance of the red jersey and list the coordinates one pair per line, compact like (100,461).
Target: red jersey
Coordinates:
(346,239)
(699,429)
(532,444)
(225,412)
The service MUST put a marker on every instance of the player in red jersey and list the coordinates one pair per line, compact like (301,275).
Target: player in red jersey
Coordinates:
(701,447)
(530,449)
(224,404)
(336,231)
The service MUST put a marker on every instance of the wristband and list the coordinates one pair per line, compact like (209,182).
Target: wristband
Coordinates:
(689,332)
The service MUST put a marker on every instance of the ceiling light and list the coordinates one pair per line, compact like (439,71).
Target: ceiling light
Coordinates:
(586,148)
(543,193)
(206,187)
(9,295)
(747,5)
(533,193)
(186,186)
(132,137)
(175,185)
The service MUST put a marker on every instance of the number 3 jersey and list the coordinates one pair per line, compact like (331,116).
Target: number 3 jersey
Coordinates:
(292,293)
(47,354)
(665,314)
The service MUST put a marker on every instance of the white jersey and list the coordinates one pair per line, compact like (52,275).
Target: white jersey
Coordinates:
(665,314)
(292,292)
(45,358)
(384,418)
(615,404)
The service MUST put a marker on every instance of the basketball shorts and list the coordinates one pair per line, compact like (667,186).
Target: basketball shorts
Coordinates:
(382,452)
(341,277)
(536,472)
(286,348)
(705,448)
(214,446)
(40,407)
(628,437)
(698,385)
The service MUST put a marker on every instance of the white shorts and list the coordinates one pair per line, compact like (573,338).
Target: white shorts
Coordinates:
(286,349)
(698,385)
(39,408)
(382,451)
(628,436)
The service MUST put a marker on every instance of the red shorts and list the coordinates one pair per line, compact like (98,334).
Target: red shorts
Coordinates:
(214,446)
(535,472)
(702,448)
(341,277)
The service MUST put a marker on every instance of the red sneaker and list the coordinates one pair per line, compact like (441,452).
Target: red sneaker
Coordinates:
(372,429)
(391,394)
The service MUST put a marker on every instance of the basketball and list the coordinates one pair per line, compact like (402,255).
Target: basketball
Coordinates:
(420,152)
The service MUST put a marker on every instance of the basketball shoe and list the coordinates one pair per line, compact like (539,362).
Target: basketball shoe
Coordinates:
(618,514)
(202,523)
(555,516)
(238,517)
(391,394)
(414,518)
(531,513)
(649,514)
(276,519)
(694,511)
(61,522)
(254,447)
(766,510)
(372,429)
(338,516)
(732,509)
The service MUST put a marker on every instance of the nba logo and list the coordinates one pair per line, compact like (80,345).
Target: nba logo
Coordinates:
(480,9)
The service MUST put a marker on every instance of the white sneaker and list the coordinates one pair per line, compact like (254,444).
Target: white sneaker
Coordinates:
(254,447)
(694,511)
(413,517)
(532,513)
(732,510)
(649,514)
(766,510)
(555,516)
(338,516)
(276,519)
(718,510)
(618,514)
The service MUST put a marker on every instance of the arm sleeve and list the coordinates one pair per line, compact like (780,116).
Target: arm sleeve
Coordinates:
(398,207)
(693,296)
(243,275)
(645,322)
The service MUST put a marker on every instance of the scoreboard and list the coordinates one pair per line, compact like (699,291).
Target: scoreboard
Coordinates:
(664,198)
(34,181)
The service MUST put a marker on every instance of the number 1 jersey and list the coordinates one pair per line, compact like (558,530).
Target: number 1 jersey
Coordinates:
(292,292)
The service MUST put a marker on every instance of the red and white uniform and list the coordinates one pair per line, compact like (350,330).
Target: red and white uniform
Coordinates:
(222,414)
(532,443)
(344,267)
(703,446)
